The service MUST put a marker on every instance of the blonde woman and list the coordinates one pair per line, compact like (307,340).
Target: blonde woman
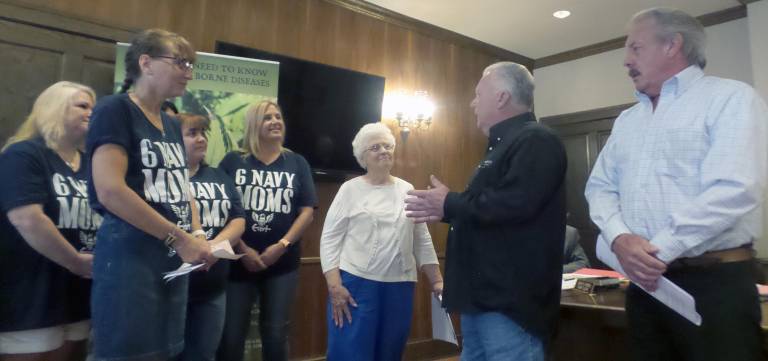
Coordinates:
(140,183)
(279,199)
(371,254)
(47,229)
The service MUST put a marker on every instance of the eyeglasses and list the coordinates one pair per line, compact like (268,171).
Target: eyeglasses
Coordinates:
(182,63)
(378,147)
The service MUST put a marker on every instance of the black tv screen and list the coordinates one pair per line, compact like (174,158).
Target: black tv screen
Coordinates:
(323,107)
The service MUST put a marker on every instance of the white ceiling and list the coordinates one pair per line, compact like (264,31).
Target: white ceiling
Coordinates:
(528,28)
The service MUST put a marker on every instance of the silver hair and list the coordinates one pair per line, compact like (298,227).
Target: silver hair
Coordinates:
(514,78)
(365,135)
(671,22)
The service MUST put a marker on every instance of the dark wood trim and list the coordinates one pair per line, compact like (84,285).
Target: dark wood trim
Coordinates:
(20,13)
(579,53)
(715,18)
(433,31)
(586,115)
(723,16)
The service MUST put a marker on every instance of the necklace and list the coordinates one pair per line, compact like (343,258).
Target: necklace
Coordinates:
(73,163)
(156,120)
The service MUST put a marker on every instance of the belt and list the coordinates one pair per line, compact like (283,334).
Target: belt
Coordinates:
(738,254)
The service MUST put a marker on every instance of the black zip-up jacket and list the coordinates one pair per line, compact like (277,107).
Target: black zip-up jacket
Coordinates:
(505,244)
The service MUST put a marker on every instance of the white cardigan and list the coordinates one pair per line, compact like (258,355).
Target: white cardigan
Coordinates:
(359,239)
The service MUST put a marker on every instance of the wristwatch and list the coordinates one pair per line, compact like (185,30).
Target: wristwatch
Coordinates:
(284,242)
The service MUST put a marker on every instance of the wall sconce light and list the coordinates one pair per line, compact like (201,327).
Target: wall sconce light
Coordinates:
(413,112)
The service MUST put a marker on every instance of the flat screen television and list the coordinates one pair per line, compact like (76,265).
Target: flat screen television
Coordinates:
(323,107)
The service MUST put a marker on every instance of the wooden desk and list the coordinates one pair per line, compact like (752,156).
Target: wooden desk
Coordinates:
(595,326)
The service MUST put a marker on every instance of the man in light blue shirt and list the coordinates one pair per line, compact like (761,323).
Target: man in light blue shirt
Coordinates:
(678,191)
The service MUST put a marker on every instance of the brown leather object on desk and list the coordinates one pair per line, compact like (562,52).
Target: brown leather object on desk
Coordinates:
(593,326)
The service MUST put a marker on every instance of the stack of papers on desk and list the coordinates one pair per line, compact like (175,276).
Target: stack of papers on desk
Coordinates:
(569,279)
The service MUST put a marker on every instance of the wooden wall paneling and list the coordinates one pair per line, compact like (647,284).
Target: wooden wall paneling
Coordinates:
(288,26)
(584,134)
(188,17)
(34,58)
(22,84)
(319,42)
(347,52)
(98,74)
(368,53)
(308,326)
(21,11)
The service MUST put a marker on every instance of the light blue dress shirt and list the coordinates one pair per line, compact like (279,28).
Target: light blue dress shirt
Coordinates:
(689,176)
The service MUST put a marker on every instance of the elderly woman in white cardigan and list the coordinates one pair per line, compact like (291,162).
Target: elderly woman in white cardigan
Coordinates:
(371,253)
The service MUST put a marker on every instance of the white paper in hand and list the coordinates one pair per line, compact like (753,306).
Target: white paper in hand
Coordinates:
(182,270)
(224,250)
(442,328)
(667,292)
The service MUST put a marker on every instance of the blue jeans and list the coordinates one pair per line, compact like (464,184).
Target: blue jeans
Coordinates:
(380,322)
(492,336)
(205,324)
(136,315)
(275,297)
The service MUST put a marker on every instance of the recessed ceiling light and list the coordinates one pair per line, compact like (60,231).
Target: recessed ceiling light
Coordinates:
(561,14)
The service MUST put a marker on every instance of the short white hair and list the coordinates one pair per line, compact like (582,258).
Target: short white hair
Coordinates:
(515,79)
(363,139)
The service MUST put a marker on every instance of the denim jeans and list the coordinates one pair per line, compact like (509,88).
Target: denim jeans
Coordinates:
(205,324)
(492,336)
(136,315)
(275,296)
(380,322)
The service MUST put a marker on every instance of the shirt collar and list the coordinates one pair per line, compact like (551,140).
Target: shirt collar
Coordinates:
(497,132)
(677,84)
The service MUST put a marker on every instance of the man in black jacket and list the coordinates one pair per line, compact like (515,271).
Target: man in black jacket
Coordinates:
(505,245)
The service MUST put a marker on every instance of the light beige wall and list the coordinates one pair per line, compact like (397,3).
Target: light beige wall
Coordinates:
(601,80)
(758,26)
(757,13)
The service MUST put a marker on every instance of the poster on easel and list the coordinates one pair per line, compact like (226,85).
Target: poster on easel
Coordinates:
(222,88)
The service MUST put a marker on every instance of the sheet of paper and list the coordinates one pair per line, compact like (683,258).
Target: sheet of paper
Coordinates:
(224,250)
(667,292)
(442,328)
(182,270)
(568,284)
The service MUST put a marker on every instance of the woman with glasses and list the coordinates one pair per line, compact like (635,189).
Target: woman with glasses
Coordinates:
(140,184)
(370,254)
(279,200)
(47,229)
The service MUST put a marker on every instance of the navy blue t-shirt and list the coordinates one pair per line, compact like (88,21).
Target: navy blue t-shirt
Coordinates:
(218,202)
(272,198)
(157,164)
(35,292)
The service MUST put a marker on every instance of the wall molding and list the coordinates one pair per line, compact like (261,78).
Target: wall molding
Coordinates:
(715,18)
(19,13)
(585,116)
(433,31)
